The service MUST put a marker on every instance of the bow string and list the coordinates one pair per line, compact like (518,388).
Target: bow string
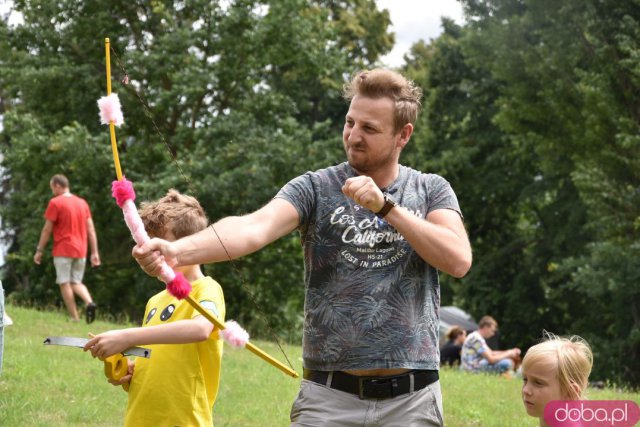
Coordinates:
(123,192)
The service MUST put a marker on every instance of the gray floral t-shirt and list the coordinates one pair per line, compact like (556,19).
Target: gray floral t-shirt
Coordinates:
(370,301)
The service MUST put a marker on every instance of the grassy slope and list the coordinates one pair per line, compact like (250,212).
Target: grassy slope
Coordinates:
(59,386)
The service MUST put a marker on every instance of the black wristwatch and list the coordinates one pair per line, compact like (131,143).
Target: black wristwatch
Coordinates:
(389,204)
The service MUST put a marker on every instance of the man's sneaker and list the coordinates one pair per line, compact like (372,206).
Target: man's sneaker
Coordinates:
(91,312)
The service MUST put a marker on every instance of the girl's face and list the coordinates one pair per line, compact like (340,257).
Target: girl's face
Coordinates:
(540,386)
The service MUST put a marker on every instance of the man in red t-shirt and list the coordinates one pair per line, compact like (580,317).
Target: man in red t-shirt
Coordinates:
(69,218)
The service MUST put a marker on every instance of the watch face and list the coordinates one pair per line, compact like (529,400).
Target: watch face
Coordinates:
(389,199)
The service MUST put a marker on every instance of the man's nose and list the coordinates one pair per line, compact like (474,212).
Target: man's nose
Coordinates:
(354,134)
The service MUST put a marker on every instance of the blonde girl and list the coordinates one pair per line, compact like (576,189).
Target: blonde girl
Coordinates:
(556,369)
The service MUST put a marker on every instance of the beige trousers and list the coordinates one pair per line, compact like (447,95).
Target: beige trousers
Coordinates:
(320,406)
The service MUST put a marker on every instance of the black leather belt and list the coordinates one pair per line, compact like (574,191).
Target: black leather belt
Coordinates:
(373,387)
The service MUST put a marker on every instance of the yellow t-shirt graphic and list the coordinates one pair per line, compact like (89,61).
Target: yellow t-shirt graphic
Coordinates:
(178,385)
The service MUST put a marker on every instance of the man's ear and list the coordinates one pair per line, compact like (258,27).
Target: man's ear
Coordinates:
(405,134)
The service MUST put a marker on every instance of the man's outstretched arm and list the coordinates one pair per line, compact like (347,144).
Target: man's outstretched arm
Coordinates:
(229,238)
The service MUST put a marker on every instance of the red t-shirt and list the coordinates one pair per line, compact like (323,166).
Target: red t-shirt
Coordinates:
(69,214)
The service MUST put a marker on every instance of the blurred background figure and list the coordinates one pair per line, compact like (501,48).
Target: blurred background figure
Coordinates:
(68,217)
(477,356)
(450,351)
(2,324)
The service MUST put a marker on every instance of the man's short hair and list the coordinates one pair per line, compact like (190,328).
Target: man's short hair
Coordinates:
(381,83)
(60,180)
(487,321)
(178,213)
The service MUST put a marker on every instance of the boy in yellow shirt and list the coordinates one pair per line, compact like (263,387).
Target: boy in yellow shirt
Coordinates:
(179,383)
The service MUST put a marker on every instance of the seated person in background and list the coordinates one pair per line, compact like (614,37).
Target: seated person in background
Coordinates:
(556,369)
(450,351)
(476,356)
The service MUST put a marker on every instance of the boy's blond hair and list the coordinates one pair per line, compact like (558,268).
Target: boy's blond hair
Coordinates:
(571,356)
(180,214)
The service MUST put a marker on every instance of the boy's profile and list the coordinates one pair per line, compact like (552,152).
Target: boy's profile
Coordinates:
(178,385)
(555,369)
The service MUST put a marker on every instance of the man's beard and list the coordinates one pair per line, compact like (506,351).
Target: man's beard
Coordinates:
(367,164)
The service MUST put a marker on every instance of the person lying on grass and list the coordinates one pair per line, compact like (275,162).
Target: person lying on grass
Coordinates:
(179,383)
(555,369)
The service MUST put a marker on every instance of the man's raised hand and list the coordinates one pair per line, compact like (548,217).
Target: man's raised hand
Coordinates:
(364,191)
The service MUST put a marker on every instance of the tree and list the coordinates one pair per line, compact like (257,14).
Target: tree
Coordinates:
(456,137)
(223,102)
(530,113)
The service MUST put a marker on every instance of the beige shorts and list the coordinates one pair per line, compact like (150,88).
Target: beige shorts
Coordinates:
(317,405)
(69,270)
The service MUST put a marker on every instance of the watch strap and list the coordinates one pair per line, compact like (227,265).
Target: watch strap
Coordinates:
(388,205)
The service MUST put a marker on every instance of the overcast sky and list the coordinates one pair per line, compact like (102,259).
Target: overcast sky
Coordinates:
(413,20)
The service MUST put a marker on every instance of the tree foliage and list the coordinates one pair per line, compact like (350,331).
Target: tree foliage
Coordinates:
(531,112)
(225,100)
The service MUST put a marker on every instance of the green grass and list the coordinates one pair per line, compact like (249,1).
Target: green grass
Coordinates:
(59,386)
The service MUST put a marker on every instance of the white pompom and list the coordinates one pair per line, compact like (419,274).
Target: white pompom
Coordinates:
(110,110)
(235,335)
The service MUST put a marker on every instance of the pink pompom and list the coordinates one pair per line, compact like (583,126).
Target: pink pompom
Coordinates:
(179,287)
(110,110)
(123,191)
(235,335)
